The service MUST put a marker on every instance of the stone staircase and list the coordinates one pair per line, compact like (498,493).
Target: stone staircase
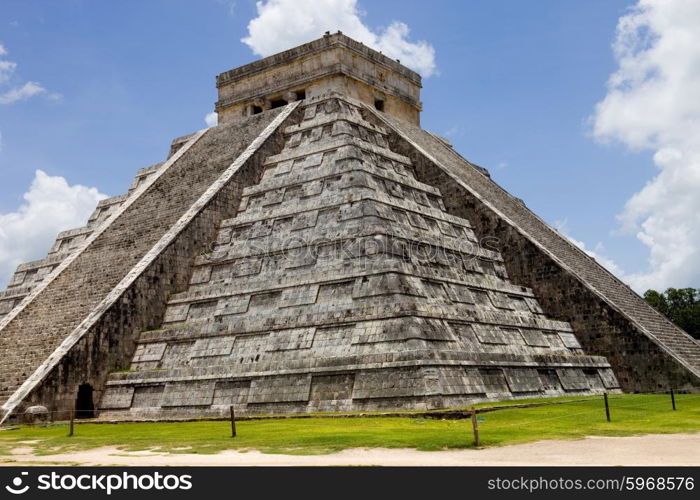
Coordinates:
(37,336)
(18,364)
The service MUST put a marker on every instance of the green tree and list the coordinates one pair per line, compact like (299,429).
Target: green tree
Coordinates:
(680,305)
(657,301)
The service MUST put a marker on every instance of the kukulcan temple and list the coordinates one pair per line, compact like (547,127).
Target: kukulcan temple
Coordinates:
(318,250)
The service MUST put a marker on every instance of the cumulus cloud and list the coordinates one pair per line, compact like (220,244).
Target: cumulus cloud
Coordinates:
(26,91)
(50,205)
(21,92)
(212,119)
(282,24)
(653,103)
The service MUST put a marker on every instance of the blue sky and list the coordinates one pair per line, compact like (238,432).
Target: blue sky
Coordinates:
(515,89)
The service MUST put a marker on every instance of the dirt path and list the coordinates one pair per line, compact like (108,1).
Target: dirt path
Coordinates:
(653,449)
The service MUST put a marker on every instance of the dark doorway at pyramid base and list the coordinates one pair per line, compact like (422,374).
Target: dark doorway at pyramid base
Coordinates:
(84,405)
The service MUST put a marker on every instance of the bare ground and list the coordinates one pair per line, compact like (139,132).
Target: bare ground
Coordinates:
(652,449)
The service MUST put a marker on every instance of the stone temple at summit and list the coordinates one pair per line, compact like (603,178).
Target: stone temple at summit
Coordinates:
(319,251)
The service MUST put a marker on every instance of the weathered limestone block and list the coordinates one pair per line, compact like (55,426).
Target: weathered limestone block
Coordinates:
(179,394)
(117,398)
(280,389)
(523,380)
(573,379)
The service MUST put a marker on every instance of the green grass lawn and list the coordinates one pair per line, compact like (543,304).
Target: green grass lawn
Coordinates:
(631,414)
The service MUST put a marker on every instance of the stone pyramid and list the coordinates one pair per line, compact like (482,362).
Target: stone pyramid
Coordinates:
(343,284)
(318,251)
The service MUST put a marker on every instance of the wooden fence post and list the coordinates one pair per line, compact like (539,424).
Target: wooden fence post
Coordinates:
(673,400)
(72,417)
(233,423)
(475,426)
(607,406)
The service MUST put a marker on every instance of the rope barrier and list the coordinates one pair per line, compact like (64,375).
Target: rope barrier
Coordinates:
(524,405)
(62,418)
(685,397)
(642,405)
(546,419)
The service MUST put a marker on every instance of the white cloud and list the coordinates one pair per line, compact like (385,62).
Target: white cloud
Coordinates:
(212,119)
(230,5)
(455,132)
(282,24)
(26,91)
(51,205)
(653,103)
(7,68)
(22,92)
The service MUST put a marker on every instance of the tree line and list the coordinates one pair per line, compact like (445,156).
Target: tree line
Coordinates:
(680,305)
